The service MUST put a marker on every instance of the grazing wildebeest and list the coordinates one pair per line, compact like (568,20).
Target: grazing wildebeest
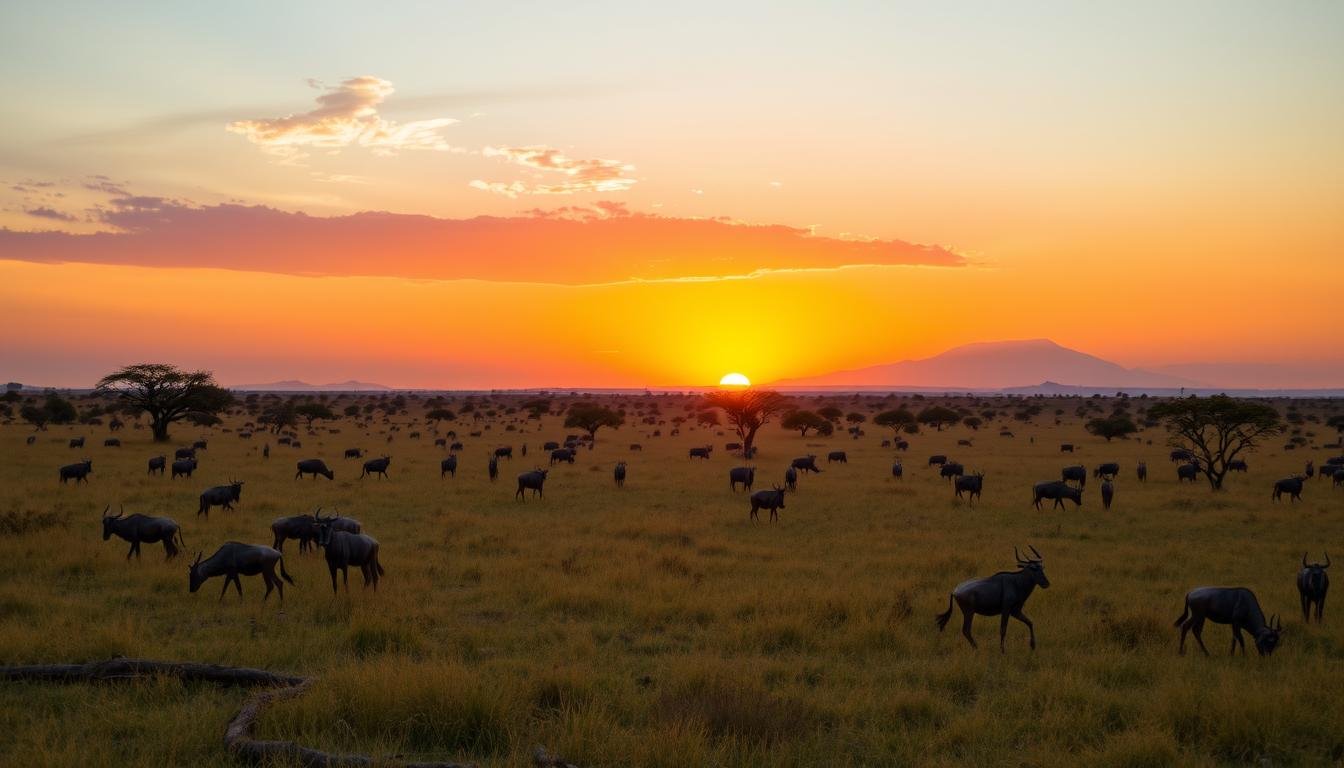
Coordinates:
(837,456)
(1077,474)
(897,471)
(886,444)
(1291,486)
(295,444)
(636,447)
(354,453)
(1237,465)
(937,459)
(1002,595)
(964,442)
(1188,471)
(1312,584)
(902,445)
(77,472)
(183,467)
(534,480)
(199,445)
(1228,605)
(1107,494)
(157,464)
(1339,477)
(951,470)
(141,529)
(111,442)
(550,445)
(744,475)
(344,549)
(619,474)
(701,453)
(220,496)
(1066,448)
(492,467)
(284,441)
(772,500)
(1106,471)
(448,466)
(732,446)
(314,467)
(1330,470)
(791,479)
(184,453)
(505,452)
(376,467)
(806,463)
(234,559)
(1142,471)
(455,447)
(562,454)
(970,484)
(1057,490)
(76,442)
(1181,454)
(439,442)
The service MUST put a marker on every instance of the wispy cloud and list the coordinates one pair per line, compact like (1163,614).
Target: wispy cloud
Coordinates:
(579,175)
(43,212)
(346,116)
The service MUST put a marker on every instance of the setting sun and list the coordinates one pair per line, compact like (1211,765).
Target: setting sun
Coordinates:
(734,380)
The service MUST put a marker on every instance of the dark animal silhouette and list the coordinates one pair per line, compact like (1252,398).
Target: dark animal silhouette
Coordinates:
(1310,470)
(562,454)
(636,447)
(1188,471)
(1237,465)
(772,500)
(619,474)
(157,464)
(31,439)
(492,466)
(701,453)
(1058,490)
(183,467)
(1228,605)
(837,456)
(1077,474)
(76,442)
(951,470)
(531,480)
(505,452)
(220,496)
(199,445)
(184,453)
(1142,471)
(1107,494)
(937,460)
(1066,448)
(376,467)
(732,446)
(354,453)
(806,463)
(1312,584)
(448,466)
(744,475)
(970,485)
(897,471)
(234,559)
(141,529)
(1106,471)
(111,442)
(344,549)
(302,528)
(1002,595)
(439,442)
(791,479)
(455,447)
(549,445)
(1181,454)
(77,472)
(1289,485)
(314,467)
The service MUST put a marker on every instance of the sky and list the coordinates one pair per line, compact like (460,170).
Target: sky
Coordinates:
(622,194)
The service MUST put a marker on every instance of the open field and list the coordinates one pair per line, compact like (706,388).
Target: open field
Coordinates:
(656,624)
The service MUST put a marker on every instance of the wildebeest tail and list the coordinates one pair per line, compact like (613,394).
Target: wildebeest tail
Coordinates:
(285,574)
(944,617)
(1184,614)
(181,542)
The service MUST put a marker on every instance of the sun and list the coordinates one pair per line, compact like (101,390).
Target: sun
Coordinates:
(734,380)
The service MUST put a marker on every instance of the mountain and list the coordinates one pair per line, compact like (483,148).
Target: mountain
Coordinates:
(293,385)
(996,365)
(1319,374)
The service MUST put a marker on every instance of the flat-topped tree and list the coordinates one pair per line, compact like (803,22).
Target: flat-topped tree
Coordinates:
(166,393)
(1215,430)
(897,420)
(591,417)
(747,410)
(311,412)
(804,421)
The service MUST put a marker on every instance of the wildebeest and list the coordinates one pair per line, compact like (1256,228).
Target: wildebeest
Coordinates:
(76,442)
(455,447)
(791,479)
(354,453)
(183,467)
(636,447)
(111,442)
(1188,471)
(157,464)
(1181,454)
(199,445)
(505,452)
(1066,448)
(562,454)
(439,442)
(1002,595)
(549,445)
(492,466)
(1312,584)
(1310,470)
(897,471)
(31,439)
(951,470)
(970,485)
(744,475)
(314,467)
(732,446)
(77,472)
(1107,494)
(1237,465)
(141,529)
(806,463)
(344,549)
(1142,471)
(837,456)
(701,453)
(772,500)
(1058,490)
(886,444)
(619,474)
(448,466)
(937,460)
(1289,485)
(1228,605)
(376,467)
(234,559)
(902,445)
(302,528)
(1077,474)
(1329,470)
(184,453)
(533,480)
(1106,471)
(220,496)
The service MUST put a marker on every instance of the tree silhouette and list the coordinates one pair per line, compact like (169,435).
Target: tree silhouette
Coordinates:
(747,410)
(804,421)
(166,393)
(1216,429)
(591,417)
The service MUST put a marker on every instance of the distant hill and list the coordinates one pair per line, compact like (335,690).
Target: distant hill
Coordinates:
(996,365)
(294,385)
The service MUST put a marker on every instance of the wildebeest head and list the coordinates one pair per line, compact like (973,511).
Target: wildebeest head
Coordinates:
(1035,566)
(1312,573)
(1267,639)
(194,576)
(108,521)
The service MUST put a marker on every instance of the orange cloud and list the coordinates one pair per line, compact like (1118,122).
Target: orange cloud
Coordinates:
(593,175)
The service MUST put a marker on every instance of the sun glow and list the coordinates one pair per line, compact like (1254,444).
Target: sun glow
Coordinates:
(734,380)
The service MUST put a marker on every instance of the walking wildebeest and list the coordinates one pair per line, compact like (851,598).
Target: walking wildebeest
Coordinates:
(1312,584)
(448,466)
(701,453)
(1066,448)
(376,467)
(183,467)
(772,500)
(76,442)
(234,559)
(1330,471)
(455,447)
(314,467)
(837,456)
(619,474)
(970,484)
(344,549)
(141,529)
(1107,494)
(562,454)
(111,442)
(184,453)
(533,480)
(1291,486)
(1077,474)
(77,472)
(1106,471)
(220,496)
(1142,471)
(1228,605)
(744,475)
(1057,490)
(791,479)
(302,528)
(492,466)
(549,445)
(806,463)
(1237,465)
(951,470)
(902,445)
(199,445)
(354,453)
(636,447)
(505,452)
(1181,454)
(1002,595)
(157,464)
(1188,471)
(937,460)
(897,471)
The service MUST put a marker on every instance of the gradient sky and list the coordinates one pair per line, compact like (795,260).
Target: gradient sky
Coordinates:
(623,194)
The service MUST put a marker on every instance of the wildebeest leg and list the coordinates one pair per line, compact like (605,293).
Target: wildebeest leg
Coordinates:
(1320,609)
(753,513)
(1197,627)
(1031,629)
(1003,630)
(1306,610)
(967,615)
(225,590)
(345,578)
(267,578)
(130,551)
(238,583)
(334,588)
(1185,627)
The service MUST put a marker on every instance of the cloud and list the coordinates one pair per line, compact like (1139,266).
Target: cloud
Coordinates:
(346,115)
(590,175)
(44,212)
(575,245)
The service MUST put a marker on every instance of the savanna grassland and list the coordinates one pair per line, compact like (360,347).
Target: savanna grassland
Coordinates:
(655,624)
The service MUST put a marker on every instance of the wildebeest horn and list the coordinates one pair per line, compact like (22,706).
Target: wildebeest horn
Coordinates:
(1327,559)
(198,559)
(1039,556)
(122,513)
(109,506)
(1017,556)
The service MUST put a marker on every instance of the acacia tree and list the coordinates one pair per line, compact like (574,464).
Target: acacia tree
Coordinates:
(591,417)
(747,410)
(311,412)
(166,393)
(937,415)
(1216,429)
(1115,426)
(804,421)
(896,420)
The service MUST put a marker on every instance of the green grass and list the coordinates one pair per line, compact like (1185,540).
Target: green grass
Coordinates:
(657,625)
